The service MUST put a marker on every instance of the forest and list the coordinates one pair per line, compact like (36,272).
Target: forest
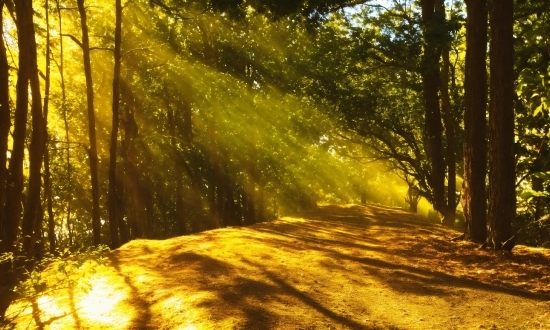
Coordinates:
(151,119)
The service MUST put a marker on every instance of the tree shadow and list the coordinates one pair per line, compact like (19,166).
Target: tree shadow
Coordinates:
(142,305)
(36,315)
(256,289)
(245,296)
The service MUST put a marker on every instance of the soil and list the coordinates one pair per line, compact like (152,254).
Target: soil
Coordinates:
(334,267)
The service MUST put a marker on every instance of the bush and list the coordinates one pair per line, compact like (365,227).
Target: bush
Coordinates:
(51,274)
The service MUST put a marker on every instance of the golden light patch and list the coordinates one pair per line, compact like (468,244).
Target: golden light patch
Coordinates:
(105,302)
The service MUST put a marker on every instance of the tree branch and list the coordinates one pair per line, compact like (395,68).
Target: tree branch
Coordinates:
(78,42)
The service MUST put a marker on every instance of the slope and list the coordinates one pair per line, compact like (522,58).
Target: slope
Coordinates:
(335,267)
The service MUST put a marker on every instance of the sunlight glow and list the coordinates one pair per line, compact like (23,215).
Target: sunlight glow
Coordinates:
(103,304)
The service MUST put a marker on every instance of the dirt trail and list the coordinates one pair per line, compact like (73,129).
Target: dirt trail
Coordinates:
(336,267)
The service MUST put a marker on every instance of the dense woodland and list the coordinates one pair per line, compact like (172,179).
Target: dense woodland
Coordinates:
(157,118)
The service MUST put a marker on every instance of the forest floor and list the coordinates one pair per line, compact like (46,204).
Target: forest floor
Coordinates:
(335,267)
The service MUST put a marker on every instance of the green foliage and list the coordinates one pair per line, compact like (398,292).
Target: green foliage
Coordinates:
(66,270)
(533,88)
(6,257)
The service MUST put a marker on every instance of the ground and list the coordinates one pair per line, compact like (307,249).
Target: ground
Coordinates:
(335,267)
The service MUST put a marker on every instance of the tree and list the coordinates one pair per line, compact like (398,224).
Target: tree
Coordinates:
(502,198)
(26,75)
(474,201)
(31,217)
(92,151)
(47,168)
(5,120)
(113,218)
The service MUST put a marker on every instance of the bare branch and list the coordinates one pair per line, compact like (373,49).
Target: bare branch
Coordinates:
(73,38)
(102,48)
(133,50)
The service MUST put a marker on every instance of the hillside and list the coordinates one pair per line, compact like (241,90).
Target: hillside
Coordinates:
(335,267)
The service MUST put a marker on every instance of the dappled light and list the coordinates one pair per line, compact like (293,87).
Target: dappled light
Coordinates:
(331,267)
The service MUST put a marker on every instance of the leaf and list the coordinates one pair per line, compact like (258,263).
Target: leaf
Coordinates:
(538,110)
(529,194)
(543,175)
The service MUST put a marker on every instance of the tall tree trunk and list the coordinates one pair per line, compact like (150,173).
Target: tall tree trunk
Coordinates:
(502,197)
(49,202)
(25,28)
(113,226)
(5,121)
(450,211)
(47,174)
(92,152)
(14,190)
(8,228)
(65,118)
(120,206)
(474,201)
(433,125)
(28,71)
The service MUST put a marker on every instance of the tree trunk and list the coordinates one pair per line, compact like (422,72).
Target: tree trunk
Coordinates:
(120,206)
(92,152)
(8,227)
(14,190)
(5,121)
(28,72)
(113,226)
(65,118)
(502,197)
(450,213)
(49,202)
(47,174)
(28,59)
(474,201)
(433,125)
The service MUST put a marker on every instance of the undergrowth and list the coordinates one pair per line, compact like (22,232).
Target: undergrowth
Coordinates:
(65,270)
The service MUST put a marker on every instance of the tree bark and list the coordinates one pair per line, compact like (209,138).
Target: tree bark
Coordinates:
(8,227)
(502,197)
(113,225)
(31,215)
(47,173)
(65,118)
(14,190)
(49,203)
(474,201)
(92,152)
(433,125)
(449,216)
(5,121)
(28,72)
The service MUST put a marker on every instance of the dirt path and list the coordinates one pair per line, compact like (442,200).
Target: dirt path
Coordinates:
(336,267)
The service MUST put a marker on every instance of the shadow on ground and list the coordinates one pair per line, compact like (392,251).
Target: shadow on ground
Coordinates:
(335,267)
